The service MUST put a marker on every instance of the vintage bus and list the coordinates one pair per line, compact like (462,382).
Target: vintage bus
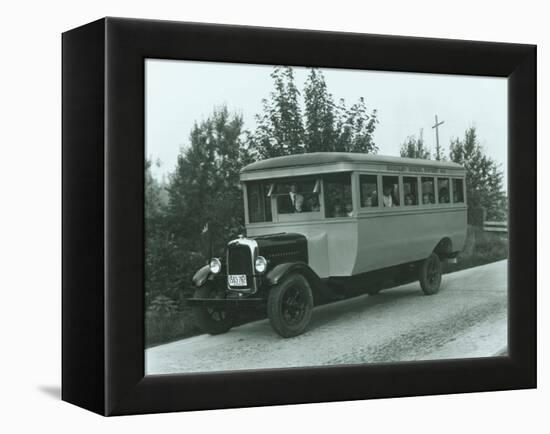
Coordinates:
(326,221)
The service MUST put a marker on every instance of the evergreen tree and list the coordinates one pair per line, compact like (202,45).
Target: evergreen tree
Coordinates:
(204,189)
(483,176)
(205,186)
(415,148)
(153,196)
(157,244)
(440,154)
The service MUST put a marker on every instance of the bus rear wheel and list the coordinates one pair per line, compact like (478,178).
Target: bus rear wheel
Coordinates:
(289,306)
(212,320)
(430,275)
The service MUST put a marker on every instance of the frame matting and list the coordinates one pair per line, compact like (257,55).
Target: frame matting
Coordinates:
(103,223)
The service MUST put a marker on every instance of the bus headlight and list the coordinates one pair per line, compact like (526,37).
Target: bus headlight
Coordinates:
(215,265)
(260,264)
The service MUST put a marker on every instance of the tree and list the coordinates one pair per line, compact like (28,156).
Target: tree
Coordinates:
(440,154)
(205,186)
(320,134)
(153,195)
(325,126)
(483,176)
(355,128)
(203,189)
(279,128)
(415,148)
(157,244)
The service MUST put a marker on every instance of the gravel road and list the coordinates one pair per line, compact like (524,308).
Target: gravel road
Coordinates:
(467,318)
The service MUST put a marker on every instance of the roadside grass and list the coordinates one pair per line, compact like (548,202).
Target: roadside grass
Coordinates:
(167,327)
(480,248)
(163,326)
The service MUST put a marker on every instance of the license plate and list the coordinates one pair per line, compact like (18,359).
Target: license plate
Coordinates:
(237,279)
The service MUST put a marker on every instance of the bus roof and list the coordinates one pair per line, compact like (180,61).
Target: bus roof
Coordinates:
(330,162)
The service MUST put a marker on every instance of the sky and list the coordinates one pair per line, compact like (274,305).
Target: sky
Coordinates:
(179,93)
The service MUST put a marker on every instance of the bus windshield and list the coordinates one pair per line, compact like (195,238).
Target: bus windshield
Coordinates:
(259,204)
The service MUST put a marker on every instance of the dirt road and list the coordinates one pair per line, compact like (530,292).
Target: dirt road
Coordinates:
(467,318)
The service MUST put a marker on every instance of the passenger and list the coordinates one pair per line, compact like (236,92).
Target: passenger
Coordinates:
(338,211)
(368,201)
(374,196)
(409,199)
(426,198)
(313,204)
(349,210)
(295,200)
(387,198)
(371,199)
(299,203)
(444,195)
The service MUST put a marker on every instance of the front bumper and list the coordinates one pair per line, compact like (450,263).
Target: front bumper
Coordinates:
(226,302)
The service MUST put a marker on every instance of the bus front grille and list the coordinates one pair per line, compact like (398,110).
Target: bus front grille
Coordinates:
(239,262)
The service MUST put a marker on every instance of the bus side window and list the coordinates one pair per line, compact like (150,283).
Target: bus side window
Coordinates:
(297,195)
(338,201)
(390,191)
(443,190)
(410,190)
(458,191)
(428,190)
(369,190)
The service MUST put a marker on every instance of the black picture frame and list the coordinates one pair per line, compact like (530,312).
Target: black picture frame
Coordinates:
(103,223)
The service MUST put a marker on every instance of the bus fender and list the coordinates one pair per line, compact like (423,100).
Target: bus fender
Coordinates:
(444,248)
(201,276)
(280,271)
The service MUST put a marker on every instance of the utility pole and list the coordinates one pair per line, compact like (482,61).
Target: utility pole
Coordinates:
(437,148)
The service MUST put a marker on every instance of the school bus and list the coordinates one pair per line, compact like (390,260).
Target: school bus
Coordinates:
(327,221)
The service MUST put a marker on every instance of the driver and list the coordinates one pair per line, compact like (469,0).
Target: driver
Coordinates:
(296,199)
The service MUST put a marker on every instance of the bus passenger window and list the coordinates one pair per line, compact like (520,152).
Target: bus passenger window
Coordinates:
(297,196)
(338,201)
(410,190)
(443,190)
(428,190)
(390,191)
(458,191)
(369,190)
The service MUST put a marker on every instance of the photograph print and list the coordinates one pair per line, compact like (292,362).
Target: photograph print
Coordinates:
(300,217)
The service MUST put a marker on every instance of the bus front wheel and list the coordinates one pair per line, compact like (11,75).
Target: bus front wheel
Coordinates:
(289,306)
(430,274)
(212,320)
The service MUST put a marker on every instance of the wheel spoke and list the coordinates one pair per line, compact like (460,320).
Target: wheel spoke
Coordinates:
(293,305)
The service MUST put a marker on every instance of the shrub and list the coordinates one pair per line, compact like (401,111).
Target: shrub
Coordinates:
(480,248)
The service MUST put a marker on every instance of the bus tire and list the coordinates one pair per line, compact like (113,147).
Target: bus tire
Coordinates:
(430,275)
(290,305)
(213,321)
